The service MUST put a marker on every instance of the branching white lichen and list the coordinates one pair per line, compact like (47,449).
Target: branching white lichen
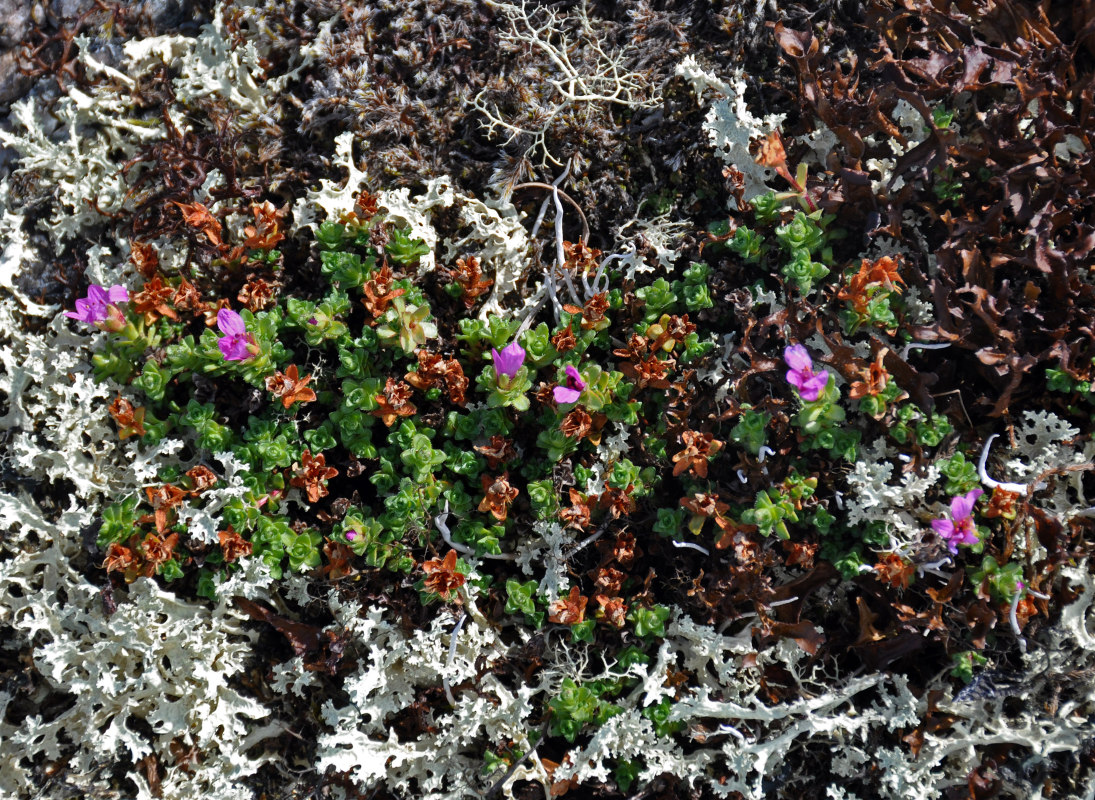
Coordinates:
(585,70)
(730,125)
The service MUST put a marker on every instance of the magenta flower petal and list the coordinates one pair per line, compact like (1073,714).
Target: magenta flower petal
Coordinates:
(573,388)
(565,395)
(812,386)
(230,323)
(98,304)
(118,294)
(509,360)
(962,506)
(82,312)
(944,528)
(97,295)
(235,348)
(798,358)
(574,378)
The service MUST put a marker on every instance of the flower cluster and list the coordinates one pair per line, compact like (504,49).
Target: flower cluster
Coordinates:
(801,374)
(100,307)
(959,529)
(236,344)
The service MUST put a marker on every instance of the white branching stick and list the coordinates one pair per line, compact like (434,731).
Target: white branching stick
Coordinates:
(691,546)
(1017,488)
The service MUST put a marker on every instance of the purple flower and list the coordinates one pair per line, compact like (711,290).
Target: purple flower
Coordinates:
(959,529)
(801,374)
(351,535)
(509,360)
(99,306)
(573,389)
(237,344)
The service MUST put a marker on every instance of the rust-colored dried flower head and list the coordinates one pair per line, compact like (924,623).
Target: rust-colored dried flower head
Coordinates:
(379,293)
(576,424)
(289,387)
(498,451)
(498,496)
(198,218)
(201,478)
(118,558)
(442,577)
(257,294)
(434,370)
(312,474)
(163,500)
(157,551)
(153,301)
(130,420)
(468,275)
(569,610)
(698,448)
(564,340)
(394,402)
(578,514)
(613,610)
(233,545)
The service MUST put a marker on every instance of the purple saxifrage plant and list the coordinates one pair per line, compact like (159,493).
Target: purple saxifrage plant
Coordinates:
(573,388)
(508,361)
(801,374)
(236,344)
(100,308)
(959,529)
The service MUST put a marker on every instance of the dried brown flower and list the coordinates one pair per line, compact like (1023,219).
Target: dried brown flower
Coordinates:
(289,387)
(379,293)
(433,370)
(256,294)
(895,570)
(1003,503)
(498,451)
(201,478)
(578,514)
(564,340)
(163,500)
(624,549)
(498,496)
(187,297)
(576,424)
(613,610)
(619,502)
(153,301)
(442,577)
(198,217)
(875,379)
(264,234)
(130,420)
(608,580)
(468,275)
(394,402)
(698,448)
(569,610)
(233,545)
(312,475)
(118,558)
(157,551)
(144,258)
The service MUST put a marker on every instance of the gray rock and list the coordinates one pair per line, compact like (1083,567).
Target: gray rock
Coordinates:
(14,22)
(161,13)
(168,13)
(13,83)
